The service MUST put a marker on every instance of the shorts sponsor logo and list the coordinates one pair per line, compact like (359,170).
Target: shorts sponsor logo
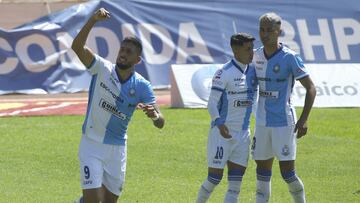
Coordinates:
(112,109)
(87,182)
(216,162)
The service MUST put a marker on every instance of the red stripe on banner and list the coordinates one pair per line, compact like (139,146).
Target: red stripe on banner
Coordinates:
(53,106)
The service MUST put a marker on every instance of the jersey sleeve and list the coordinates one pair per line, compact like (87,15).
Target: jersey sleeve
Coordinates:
(217,88)
(147,93)
(218,81)
(214,99)
(96,64)
(297,67)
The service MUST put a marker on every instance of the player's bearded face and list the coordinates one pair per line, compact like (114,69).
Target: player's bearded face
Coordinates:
(123,66)
(127,57)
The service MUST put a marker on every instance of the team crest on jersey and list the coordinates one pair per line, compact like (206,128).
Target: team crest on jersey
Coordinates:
(276,68)
(132,92)
(285,150)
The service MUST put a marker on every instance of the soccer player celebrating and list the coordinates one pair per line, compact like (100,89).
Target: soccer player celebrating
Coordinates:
(230,106)
(277,68)
(115,92)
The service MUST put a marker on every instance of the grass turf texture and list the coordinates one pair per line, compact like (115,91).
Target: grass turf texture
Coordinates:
(38,159)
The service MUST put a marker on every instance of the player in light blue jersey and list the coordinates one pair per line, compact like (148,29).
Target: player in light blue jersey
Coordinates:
(277,68)
(230,105)
(115,92)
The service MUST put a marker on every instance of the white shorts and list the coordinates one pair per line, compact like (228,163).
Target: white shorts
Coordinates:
(102,164)
(269,142)
(221,150)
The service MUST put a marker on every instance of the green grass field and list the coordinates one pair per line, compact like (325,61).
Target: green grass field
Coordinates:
(38,159)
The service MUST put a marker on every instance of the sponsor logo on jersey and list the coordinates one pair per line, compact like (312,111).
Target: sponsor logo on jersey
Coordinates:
(239,79)
(239,92)
(263,79)
(260,62)
(107,106)
(239,85)
(242,103)
(107,89)
(269,94)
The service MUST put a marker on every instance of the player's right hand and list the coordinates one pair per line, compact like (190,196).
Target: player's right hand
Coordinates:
(101,14)
(224,131)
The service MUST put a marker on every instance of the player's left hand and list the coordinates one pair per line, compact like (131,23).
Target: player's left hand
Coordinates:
(149,110)
(301,128)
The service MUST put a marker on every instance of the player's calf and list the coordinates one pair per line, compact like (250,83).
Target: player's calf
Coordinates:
(263,185)
(295,185)
(208,186)
(234,184)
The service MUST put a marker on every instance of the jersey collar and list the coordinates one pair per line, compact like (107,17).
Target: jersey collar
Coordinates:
(277,51)
(242,67)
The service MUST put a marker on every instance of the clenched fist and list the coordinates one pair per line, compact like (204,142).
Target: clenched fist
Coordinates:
(101,14)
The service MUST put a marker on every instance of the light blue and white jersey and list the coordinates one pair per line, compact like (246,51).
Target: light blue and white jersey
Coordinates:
(276,76)
(112,102)
(237,87)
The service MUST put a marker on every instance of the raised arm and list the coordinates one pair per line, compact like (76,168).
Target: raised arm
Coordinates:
(84,53)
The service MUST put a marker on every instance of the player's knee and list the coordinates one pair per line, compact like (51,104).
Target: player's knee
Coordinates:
(214,178)
(289,176)
(263,175)
(235,175)
(293,181)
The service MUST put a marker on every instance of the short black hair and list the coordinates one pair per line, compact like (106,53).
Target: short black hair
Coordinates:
(239,39)
(135,41)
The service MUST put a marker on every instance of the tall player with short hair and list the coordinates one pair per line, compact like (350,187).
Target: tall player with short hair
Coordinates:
(277,68)
(230,106)
(115,92)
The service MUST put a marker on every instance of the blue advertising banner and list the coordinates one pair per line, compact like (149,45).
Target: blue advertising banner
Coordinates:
(37,58)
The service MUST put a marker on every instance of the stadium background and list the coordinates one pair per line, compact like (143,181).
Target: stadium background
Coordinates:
(327,41)
(331,177)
